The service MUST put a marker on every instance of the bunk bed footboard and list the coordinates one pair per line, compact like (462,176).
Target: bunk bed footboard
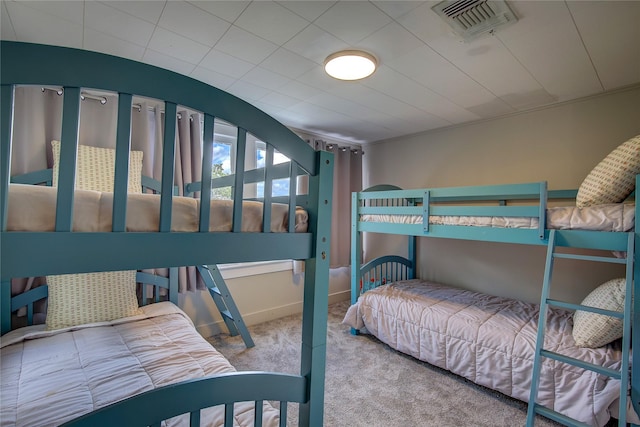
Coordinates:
(155,406)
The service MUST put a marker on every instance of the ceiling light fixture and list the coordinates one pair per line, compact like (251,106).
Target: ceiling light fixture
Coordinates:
(350,65)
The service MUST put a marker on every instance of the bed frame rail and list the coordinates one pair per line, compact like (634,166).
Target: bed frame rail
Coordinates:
(383,270)
(155,406)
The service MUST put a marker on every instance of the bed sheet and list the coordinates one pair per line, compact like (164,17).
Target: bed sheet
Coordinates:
(49,377)
(490,341)
(611,217)
(33,208)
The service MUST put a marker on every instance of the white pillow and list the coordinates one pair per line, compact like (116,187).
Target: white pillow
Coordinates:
(95,168)
(76,299)
(595,330)
(614,178)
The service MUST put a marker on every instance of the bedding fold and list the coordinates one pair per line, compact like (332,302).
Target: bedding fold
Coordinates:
(50,377)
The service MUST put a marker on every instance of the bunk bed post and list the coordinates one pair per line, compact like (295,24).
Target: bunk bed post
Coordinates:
(411,254)
(6,119)
(635,314)
(316,293)
(356,249)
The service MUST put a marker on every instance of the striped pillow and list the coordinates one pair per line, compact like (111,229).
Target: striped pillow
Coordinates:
(76,299)
(614,178)
(595,330)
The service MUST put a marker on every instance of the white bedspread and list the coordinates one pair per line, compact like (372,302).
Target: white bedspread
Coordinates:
(33,208)
(49,377)
(490,341)
(612,217)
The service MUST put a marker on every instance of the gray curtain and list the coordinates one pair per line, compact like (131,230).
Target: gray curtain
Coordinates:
(37,121)
(347,178)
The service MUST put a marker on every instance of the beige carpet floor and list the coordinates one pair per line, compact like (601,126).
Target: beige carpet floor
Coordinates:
(370,384)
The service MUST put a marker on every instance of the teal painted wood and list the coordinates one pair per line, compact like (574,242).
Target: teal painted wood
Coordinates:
(123,146)
(238,186)
(383,270)
(623,374)
(27,254)
(5,306)
(168,401)
(426,211)
(356,250)
(68,149)
(268,193)
(43,176)
(316,292)
(205,180)
(6,119)
(168,165)
(22,64)
(224,301)
(635,330)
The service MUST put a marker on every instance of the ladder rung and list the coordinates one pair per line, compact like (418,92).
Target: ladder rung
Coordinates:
(592,258)
(581,364)
(556,416)
(562,304)
(226,314)
(215,289)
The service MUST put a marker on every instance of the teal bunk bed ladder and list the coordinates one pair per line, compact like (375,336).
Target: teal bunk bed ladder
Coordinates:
(226,306)
(545,302)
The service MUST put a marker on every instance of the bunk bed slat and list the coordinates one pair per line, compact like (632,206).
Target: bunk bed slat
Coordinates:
(238,187)
(6,120)
(207,157)
(168,165)
(68,150)
(123,146)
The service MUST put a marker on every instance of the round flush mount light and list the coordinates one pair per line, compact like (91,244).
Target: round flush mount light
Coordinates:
(350,65)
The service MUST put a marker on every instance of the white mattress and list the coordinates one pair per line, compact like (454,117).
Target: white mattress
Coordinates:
(490,341)
(49,377)
(612,217)
(33,208)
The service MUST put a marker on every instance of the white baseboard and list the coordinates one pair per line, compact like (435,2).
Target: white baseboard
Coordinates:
(255,318)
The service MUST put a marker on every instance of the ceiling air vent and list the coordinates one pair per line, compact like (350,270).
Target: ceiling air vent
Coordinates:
(473,18)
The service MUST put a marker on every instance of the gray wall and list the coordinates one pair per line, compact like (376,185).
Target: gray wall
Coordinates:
(559,145)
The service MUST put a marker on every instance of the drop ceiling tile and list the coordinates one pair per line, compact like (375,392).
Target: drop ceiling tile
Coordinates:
(396,8)
(6,27)
(389,42)
(162,60)
(67,10)
(265,78)
(390,82)
(227,10)
(146,10)
(271,21)
(172,44)
(246,46)
(296,89)
(191,22)
(352,21)
(212,78)
(616,64)
(546,42)
(35,26)
(288,63)
(247,91)
(101,42)
(116,23)
(315,44)
(317,78)
(309,10)
(279,100)
(226,64)
(428,68)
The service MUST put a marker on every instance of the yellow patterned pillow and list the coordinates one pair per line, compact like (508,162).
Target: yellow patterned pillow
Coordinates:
(95,168)
(614,178)
(76,299)
(595,330)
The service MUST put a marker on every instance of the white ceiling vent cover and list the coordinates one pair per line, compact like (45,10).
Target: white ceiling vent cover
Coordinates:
(472,18)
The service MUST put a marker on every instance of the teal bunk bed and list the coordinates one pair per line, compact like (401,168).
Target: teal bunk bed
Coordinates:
(101,359)
(476,335)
